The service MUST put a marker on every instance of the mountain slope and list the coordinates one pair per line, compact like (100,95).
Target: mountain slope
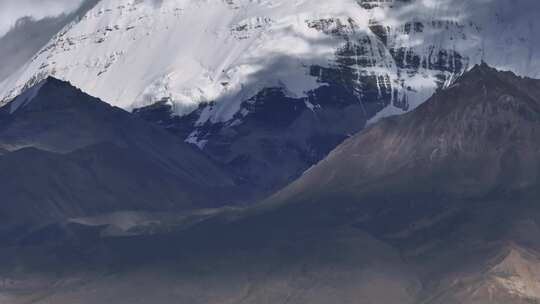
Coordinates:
(238,88)
(68,154)
(436,206)
(476,138)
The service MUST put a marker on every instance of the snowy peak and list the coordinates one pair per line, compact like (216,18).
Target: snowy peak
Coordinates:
(136,53)
(147,49)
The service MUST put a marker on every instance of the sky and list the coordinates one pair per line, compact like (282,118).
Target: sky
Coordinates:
(12,10)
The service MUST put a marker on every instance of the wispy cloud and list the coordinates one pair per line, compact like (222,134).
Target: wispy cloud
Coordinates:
(13,10)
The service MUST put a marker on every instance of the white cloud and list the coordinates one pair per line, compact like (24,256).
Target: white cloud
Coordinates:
(12,10)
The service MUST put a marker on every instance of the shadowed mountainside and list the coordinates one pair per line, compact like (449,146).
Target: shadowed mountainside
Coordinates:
(68,154)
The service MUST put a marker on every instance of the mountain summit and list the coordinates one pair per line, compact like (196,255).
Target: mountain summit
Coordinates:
(66,154)
(476,138)
(393,53)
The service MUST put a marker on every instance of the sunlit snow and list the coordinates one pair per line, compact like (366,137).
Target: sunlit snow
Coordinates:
(133,53)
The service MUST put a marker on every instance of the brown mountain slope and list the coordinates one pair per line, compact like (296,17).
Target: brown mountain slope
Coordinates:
(480,137)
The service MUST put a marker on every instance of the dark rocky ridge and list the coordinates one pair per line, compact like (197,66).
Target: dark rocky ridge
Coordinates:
(67,154)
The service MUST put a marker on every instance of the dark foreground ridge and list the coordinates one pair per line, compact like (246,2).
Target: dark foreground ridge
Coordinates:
(67,154)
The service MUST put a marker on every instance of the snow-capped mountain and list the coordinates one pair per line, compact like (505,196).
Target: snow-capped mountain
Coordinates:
(235,76)
(134,53)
